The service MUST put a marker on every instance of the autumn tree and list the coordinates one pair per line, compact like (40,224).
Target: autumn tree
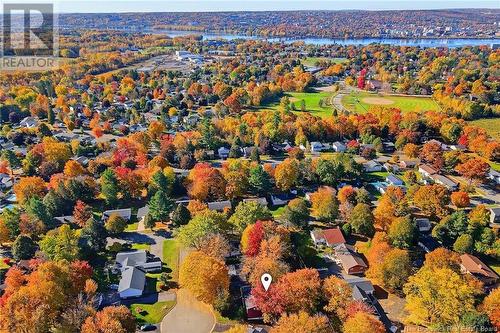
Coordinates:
(205,276)
(42,298)
(115,224)
(215,245)
(362,322)
(81,213)
(296,212)
(361,220)
(60,244)
(491,306)
(411,150)
(460,199)
(474,169)
(202,225)
(110,319)
(439,297)
(338,295)
(302,322)
(247,213)
(28,187)
(205,182)
(432,199)
(73,169)
(286,174)
(432,153)
(403,232)
(324,204)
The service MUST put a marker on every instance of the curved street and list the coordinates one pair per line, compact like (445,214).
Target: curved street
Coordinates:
(188,316)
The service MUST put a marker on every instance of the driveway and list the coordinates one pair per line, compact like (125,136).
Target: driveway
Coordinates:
(188,316)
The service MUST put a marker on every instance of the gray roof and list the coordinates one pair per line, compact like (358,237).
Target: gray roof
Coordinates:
(143,211)
(131,258)
(132,278)
(219,205)
(124,213)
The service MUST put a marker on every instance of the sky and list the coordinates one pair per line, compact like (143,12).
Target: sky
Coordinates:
(112,6)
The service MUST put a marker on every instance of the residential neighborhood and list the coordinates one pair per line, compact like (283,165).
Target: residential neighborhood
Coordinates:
(154,179)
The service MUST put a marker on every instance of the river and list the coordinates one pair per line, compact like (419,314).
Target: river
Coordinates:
(423,42)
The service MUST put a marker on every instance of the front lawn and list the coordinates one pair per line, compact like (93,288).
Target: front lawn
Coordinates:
(151,313)
(171,257)
(132,227)
(139,246)
(276,211)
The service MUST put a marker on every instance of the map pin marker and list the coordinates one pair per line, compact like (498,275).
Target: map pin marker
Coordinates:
(266,280)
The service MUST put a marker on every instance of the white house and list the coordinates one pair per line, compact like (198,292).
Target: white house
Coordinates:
(316,147)
(445,181)
(339,147)
(29,122)
(125,213)
(223,152)
(132,282)
(494,176)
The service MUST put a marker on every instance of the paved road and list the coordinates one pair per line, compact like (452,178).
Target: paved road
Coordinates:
(188,316)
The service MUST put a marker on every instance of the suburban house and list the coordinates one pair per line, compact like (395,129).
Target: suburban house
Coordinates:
(125,213)
(281,199)
(445,181)
(317,147)
(262,200)
(351,261)
(137,258)
(426,170)
(339,147)
(495,217)
(219,205)
(408,164)
(223,152)
(473,265)
(428,243)
(132,282)
(29,122)
(328,237)
(423,224)
(394,180)
(494,176)
(372,166)
(6,181)
(253,313)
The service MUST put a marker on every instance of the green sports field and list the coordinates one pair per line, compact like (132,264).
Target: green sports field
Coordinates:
(361,102)
(312,103)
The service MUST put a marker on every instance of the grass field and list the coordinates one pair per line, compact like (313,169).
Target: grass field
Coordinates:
(171,257)
(312,103)
(362,101)
(491,125)
(311,61)
(151,313)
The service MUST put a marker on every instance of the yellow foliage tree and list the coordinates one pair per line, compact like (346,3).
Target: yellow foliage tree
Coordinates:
(206,277)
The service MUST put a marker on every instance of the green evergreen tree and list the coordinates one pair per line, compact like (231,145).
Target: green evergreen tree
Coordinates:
(180,216)
(109,187)
(23,248)
(160,206)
